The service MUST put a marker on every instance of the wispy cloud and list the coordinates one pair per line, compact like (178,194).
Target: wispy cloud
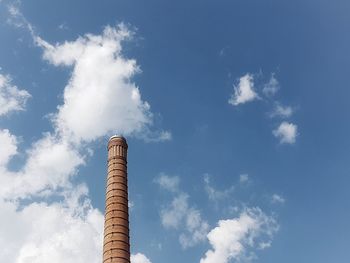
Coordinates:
(277,199)
(181,216)
(11,97)
(215,194)
(167,182)
(281,111)
(271,87)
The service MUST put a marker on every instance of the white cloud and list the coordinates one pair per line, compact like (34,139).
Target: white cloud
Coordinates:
(50,165)
(181,216)
(286,132)
(271,87)
(244,91)
(59,232)
(11,97)
(169,183)
(233,238)
(277,199)
(214,194)
(174,214)
(100,98)
(16,17)
(282,111)
(46,231)
(139,258)
(67,231)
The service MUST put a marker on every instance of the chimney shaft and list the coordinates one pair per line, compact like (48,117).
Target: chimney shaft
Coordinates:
(116,245)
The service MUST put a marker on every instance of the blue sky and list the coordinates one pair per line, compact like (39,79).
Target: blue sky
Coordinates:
(236,115)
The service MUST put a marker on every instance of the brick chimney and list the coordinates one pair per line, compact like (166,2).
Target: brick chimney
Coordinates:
(116,244)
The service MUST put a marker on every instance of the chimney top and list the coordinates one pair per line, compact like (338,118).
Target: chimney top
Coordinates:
(117,136)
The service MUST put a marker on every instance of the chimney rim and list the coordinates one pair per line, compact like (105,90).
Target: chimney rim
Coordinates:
(117,136)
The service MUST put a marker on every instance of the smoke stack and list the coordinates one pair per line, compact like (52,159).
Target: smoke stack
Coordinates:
(116,244)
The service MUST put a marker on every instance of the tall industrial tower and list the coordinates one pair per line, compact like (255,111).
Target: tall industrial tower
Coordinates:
(116,246)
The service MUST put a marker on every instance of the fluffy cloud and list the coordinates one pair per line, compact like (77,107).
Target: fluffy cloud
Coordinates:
(232,239)
(51,163)
(181,216)
(286,132)
(281,111)
(139,258)
(271,87)
(43,231)
(244,91)
(11,97)
(66,231)
(100,98)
